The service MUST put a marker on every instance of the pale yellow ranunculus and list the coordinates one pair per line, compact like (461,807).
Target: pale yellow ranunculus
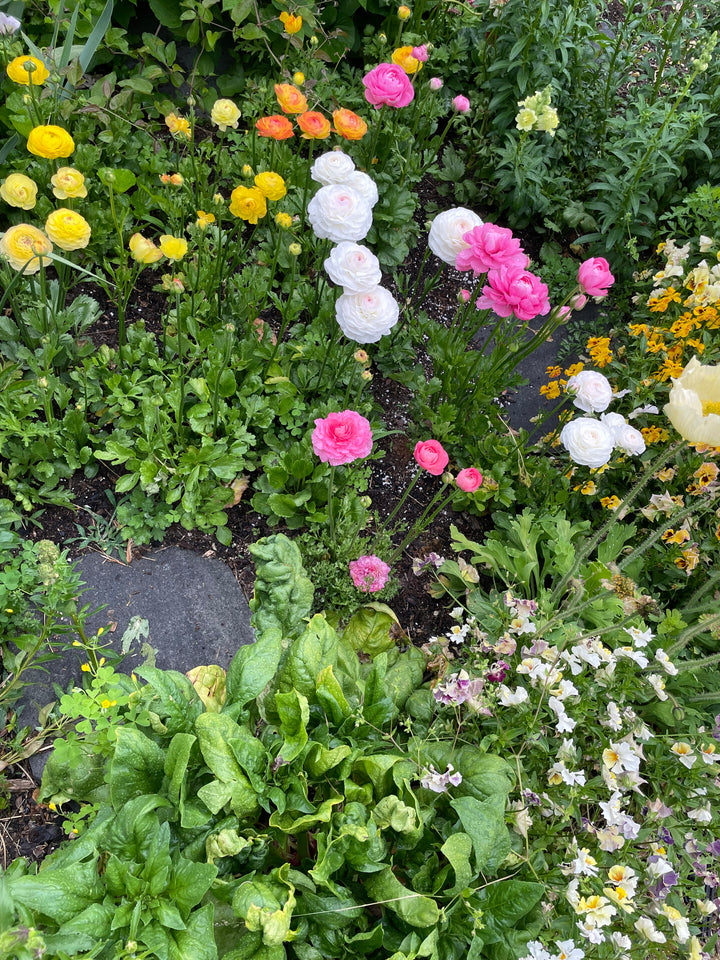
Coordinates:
(24,246)
(225,114)
(174,248)
(68,183)
(694,406)
(143,250)
(19,191)
(68,229)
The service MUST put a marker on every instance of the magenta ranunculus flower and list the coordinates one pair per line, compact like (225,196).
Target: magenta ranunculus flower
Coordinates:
(491,247)
(594,276)
(420,53)
(469,479)
(461,104)
(431,456)
(342,437)
(369,574)
(512,290)
(388,85)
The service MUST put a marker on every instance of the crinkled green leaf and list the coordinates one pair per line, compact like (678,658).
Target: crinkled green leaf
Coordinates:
(253,667)
(392,813)
(214,730)
(137,766)
(414,909)
(331,697)
(319,759)
(60,894)
(314,650)
(176,762)
(294,712)
(484,822)
(289,823)
(369,629)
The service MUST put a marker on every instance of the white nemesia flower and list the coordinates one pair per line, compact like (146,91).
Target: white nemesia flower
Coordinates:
(365,186)
(353,267)
(536,951)
(588,442)
(332,167)
(568,951)
(658,685)
(648,408)
(637,656)
(445,238)
(614,720)
(366,317)
(684,753)
(619,757)
(706,243)
(701,814)
(338,213)
(641,638)
(591,391)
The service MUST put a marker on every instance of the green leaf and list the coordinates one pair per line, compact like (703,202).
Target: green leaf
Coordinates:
(215,795)
(189,882)
(60,894)
(369,629)
(137,766)
(214,730)
(288,823)
(319,759)
(331,697)
(457,849)
(176,762)
(505,905)
(418,911)
(294,712)
(252,668)
(484,822)
(309,654)
(119,178)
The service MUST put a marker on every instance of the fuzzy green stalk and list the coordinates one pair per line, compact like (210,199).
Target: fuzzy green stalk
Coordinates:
(331,516)
(229,330)
(181,366)
(690,632)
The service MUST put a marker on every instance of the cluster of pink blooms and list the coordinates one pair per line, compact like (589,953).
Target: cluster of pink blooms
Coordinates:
(388,85)
(432,456)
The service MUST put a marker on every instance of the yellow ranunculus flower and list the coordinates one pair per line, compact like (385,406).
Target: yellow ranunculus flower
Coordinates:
(299,78)
(404,58)
(18,74)
(19,191)
(694,407)
(292,23)
(178,126)
(68,183)
(68,229)
(50,142)
(143,250)
(271,185)
(204,219)
(248,203)
(174,248)
(225,114)
(25,246)
(283,220)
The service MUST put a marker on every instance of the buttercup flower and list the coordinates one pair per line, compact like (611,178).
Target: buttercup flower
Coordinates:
(314,125)
(589,442)
(348,124)
(469,480)
(277,127)
(248,203)
(405,58)
(271,185)
(694,407)
(225,114)
(366,317)
(143,250)
(353,267)
(291,22)
(339,213)
(430,455)
(447,233)
(178,126)
(68,229)
(68,183)
(342,437)
(594,276)
(461,104)
(513,290)
(290,99)
(388,85)
(404,12)
(19,191)
(489,247)
(591,391)
(369,573)
(24,247)
(37,75)
(332,167)
(50,142)
(283,220)
(174,248)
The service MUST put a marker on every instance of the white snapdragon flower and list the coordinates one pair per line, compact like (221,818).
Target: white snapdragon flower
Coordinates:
(658,685)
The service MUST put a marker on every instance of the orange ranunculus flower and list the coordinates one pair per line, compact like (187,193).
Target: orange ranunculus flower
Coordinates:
(314,125)
(24,247)
(143,250)
(248,203)
(50,142)
(278,127)
(18,73)
(178,126)
(271,185)
(404,58)
(291,22)
(290,99)
(349,124)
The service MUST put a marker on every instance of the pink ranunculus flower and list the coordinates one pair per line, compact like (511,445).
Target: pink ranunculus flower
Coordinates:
(431,456)
(436,83)
(342,437)
(369,574)
(512,290)
(490,247)
(594,276)
(461,104)
(420,53)
(469,480)
(388,85)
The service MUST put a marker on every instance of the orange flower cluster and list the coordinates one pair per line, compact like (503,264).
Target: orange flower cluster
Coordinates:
(552,391)
(313,124)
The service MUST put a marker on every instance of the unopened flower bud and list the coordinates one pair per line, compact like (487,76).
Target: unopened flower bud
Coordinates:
(294,249)
(404,13)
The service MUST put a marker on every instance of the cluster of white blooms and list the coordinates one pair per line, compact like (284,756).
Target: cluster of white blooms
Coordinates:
(591,442)
(341,211)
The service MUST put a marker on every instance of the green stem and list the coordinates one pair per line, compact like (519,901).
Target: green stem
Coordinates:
(331,517)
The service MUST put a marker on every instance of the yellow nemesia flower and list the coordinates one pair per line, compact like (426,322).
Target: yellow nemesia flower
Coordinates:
(24,247)
(68,229)
(143,250)
(610,503)
(19,191)
(50,142)
(225,114)
(174,248)
(248,203)
(271,185)
(85,667)
(18,72)
(291,23)
(178,126)
(68,183)
(204,219)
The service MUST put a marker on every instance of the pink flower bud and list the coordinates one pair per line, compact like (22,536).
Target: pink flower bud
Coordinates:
(461,104)
(436,83)
(578,301)
(420,53)
(564,312)
(431,456)
(469,480)
(464,296)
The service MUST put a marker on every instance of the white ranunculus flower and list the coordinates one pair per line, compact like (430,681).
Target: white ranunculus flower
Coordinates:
(446,232)
(589,442)
(694,407)
(332,167)
(338,213)
(365,317)
(364,185)
(626,437)
(590,390)
(353,267)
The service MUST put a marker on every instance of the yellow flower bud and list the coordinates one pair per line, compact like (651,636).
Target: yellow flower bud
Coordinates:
(404,13)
